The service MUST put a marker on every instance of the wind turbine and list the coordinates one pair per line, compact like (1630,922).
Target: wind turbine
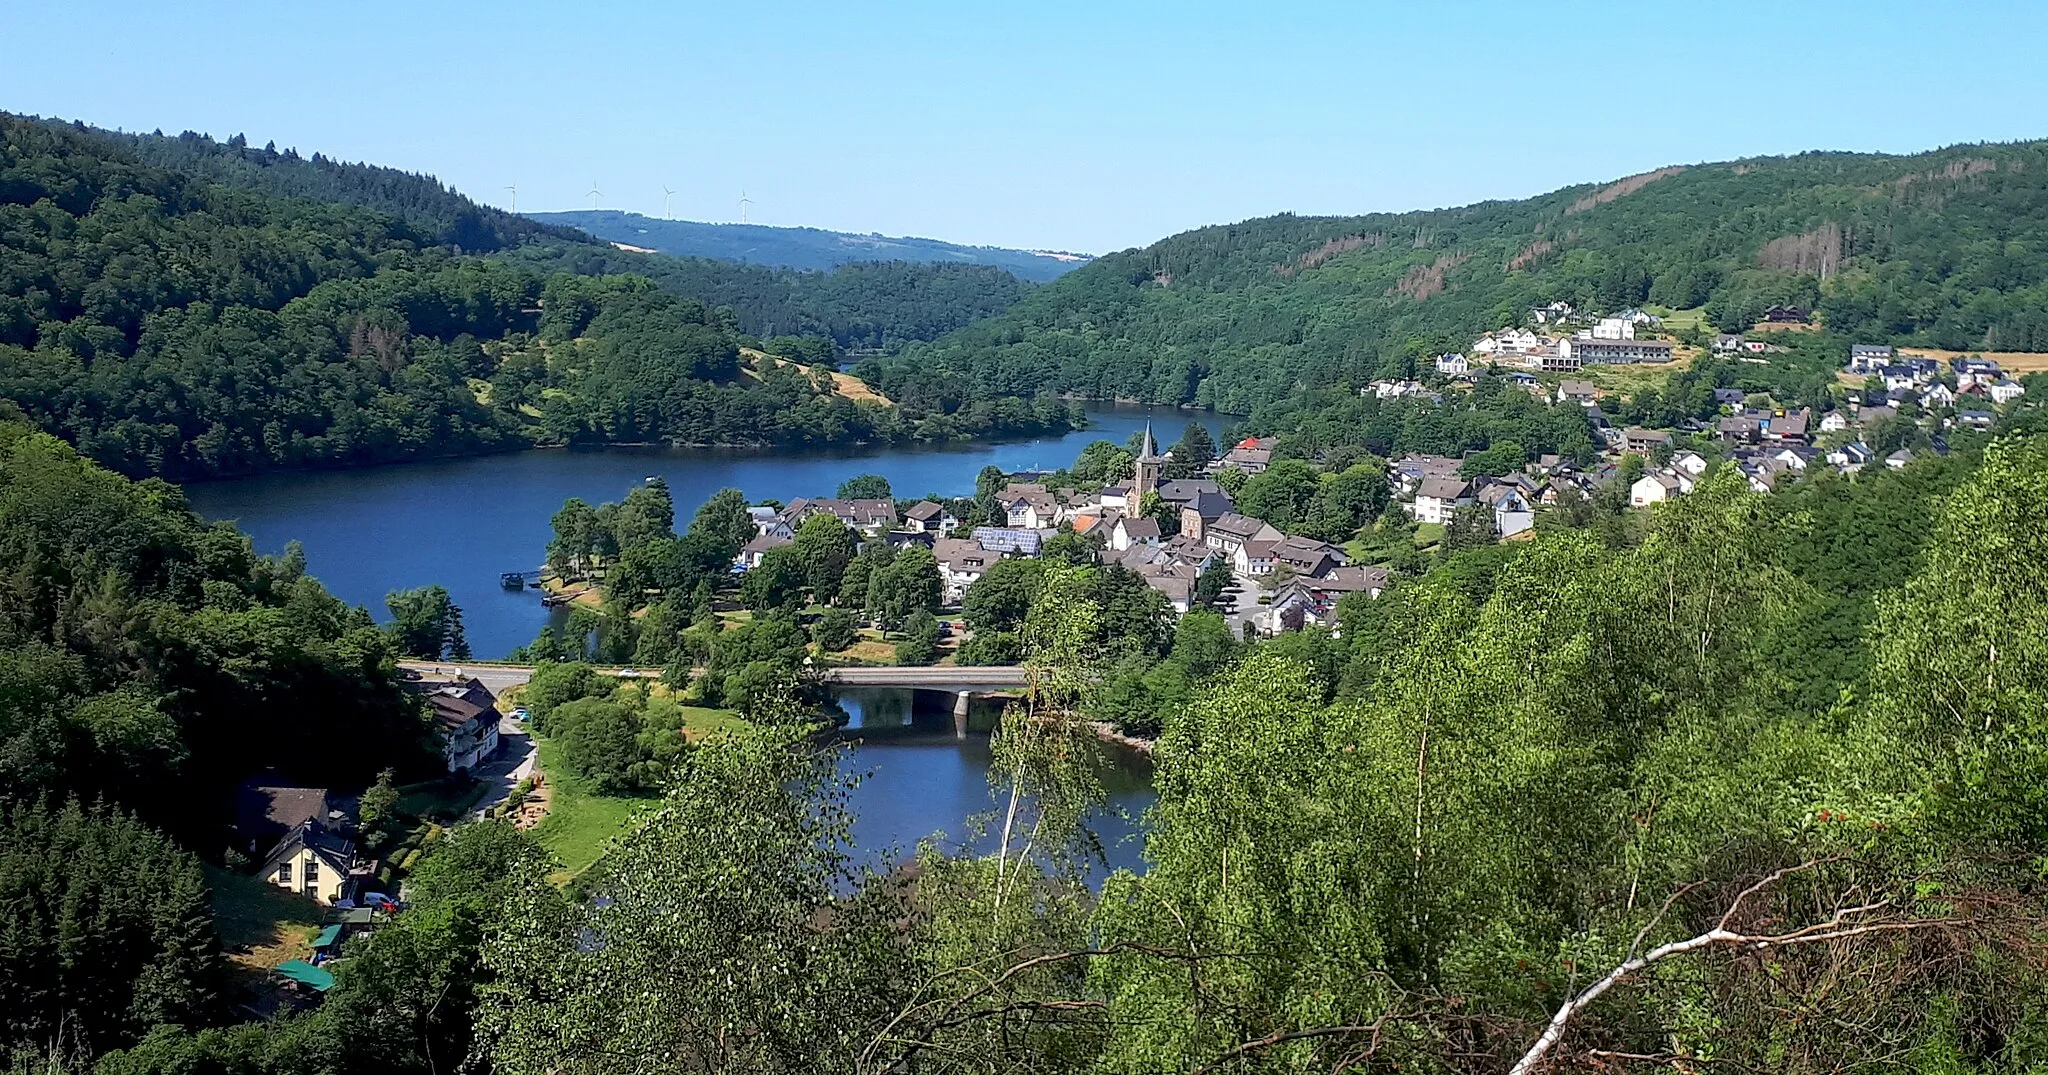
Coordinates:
(595,194)
(744,202)
(514,188)
(667,194)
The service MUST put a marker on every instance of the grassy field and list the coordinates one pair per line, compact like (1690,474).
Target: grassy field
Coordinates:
(261,925)
(1680,320)
(580,821)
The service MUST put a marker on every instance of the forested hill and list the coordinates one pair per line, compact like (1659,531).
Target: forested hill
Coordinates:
(802,248)
(864,305)
(1947,248)
(171,324)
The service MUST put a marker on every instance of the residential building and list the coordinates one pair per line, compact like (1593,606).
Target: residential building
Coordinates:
(871,517)
(1692,464)
(1652,489)
(1787,428)
(1253,559)
(929,517)
(1975,419)
(1129,531)
(1010,539)
(1971,370)
(1306,556)
(1643,441)
(1787,315)
(1725,343)
(1453,365)
(1436,499)
(1231,530)
(962,562)
(1865,357)
(2004,392)
(1728,397)
(466,714)
(1117,498)
(1580,392)
(1253,455)
(1592,352)
(1897,377)
(1938,395)
(1513,511)
(1834,422)
(768,520)
(302,838)
(1029,506)
(751,553)
(1612,328)
(1898,460)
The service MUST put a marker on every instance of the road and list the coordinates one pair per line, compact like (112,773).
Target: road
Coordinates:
(497,678)
(934,676)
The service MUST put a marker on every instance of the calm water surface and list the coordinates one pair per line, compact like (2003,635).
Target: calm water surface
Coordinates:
(460,523)
(463,522)
(921,779)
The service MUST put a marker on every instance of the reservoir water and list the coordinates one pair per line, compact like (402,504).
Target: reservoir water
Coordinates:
(462,522)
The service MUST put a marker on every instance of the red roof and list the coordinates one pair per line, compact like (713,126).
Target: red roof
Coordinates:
(1248,442)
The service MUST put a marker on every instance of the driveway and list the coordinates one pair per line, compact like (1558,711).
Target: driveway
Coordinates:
(513,763)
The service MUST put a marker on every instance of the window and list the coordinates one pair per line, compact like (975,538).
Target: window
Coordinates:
(312,873)
(284,874)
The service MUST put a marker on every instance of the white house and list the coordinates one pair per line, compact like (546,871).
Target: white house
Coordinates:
(1453,365)
(1436,499)
(1690,463)
(962,562)
(1652,489)
(929,517)
(2004,392)
(1834,422)
(1940,395)
(1614,328)
(1512,511)
(1128,532)
(1253,558)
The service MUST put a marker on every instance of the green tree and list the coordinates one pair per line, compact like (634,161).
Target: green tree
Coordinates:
(908,582)
(426,623)
(920,643)
(1282,494)
(1191,452)
(834,631)
(825,547)
(777,581)
(600,743)
(379,801)
(865,487)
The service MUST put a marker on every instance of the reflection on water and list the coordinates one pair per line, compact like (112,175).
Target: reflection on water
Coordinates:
(924,779)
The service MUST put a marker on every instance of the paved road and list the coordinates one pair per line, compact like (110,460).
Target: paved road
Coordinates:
(498,677)
(940,676)
(513,763)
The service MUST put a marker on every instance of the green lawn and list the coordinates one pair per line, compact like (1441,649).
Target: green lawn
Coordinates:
(580,821)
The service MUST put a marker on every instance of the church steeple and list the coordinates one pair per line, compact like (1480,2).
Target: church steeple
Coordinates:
(1148,468)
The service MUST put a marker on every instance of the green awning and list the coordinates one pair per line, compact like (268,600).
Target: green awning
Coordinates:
(327,937)
(298,970)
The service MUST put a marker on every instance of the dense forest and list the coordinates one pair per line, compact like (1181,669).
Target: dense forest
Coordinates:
(1947,249)
(867,304)
(172,325)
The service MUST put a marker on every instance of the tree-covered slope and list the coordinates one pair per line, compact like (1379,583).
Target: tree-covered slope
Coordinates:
(170,324)
(801,248)
(862,304)
(1947,248)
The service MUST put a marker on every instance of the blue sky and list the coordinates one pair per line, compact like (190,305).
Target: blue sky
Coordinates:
(1082,126)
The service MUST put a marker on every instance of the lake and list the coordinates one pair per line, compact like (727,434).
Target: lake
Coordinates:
(921,779)
(463,522)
